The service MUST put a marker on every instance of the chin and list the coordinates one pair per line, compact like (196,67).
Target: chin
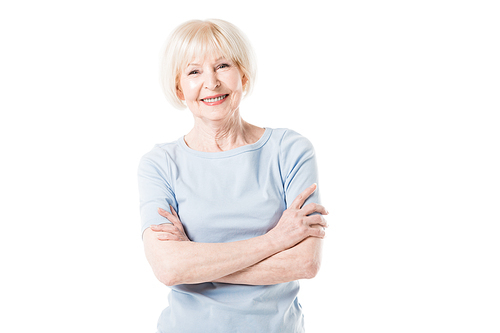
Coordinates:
(217,116)
(216,113)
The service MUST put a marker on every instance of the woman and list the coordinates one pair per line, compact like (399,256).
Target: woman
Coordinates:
(230,212)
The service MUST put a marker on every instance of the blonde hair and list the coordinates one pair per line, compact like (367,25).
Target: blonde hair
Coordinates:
(210,37)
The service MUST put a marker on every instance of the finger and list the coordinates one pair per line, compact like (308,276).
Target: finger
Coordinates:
(318,232)
(168,236)
(314,208)
(317,220)
(302,197)
(167,215)
(175,221)
(178,225)
(164,213)
(163,227)
(173,211)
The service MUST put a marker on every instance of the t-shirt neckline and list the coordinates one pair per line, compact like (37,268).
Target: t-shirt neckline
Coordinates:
(232,152)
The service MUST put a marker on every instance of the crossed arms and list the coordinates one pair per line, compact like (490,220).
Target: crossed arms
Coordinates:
(289,251)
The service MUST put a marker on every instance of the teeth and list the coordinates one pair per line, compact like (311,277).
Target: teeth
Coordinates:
(211,100)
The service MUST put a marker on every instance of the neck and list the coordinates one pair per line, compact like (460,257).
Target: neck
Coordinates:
(222,135)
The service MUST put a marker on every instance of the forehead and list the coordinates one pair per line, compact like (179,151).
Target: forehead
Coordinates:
(204,50)
(199,61)
(203,55)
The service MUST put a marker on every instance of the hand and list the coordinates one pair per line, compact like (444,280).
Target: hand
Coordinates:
(295,224)
(167,231)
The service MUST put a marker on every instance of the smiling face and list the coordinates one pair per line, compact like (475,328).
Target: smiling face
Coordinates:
(212,87)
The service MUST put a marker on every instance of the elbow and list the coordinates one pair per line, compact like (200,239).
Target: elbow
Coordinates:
(311,268)
(167,276)
(167,279)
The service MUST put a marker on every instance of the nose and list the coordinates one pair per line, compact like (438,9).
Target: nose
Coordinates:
(211,81)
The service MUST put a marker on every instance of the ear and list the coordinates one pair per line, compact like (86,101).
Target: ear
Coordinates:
(244,81)
(180,94)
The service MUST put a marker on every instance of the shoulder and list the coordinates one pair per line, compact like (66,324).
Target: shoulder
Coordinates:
(160,151)
(158,157)
(294,150)
(290,141)
(297,162)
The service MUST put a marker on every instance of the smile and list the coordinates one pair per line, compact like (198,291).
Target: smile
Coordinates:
(214,99)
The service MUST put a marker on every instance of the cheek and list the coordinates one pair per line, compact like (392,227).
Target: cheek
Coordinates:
(190,89)
(237,82)
(236,100)
(238,89)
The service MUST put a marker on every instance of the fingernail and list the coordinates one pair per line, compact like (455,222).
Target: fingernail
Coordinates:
(161,209)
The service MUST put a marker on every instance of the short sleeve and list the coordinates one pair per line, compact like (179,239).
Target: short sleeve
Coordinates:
(298,167)
(154,188)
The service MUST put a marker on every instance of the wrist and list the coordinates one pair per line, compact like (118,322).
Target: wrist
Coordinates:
(274,242)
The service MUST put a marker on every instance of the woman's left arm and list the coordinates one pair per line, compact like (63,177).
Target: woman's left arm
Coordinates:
(299,169)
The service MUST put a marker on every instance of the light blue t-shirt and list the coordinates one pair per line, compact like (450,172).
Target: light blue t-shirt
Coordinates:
(225,197)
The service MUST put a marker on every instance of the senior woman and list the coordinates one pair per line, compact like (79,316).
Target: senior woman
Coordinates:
(230,212)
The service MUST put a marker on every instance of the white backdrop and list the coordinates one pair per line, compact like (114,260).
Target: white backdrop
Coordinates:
(400,99)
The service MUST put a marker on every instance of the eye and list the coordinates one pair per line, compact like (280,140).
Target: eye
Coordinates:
(221,66)
(194,72)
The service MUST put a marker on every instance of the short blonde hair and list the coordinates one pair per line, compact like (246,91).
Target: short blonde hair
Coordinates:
(195,38)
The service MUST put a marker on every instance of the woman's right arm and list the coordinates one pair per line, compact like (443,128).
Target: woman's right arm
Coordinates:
(175,262)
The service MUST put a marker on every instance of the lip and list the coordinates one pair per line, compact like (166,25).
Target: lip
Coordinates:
(217,102)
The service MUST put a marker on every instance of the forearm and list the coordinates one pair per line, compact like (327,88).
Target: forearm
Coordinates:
(189,262)
(185,262)
(299,262)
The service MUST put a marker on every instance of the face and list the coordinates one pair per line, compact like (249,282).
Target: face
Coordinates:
(212,87)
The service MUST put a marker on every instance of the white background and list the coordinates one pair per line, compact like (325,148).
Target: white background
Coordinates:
(400,99)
